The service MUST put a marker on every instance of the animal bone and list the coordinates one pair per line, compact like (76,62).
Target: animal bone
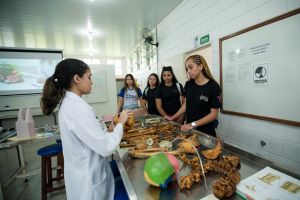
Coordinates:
(213,153)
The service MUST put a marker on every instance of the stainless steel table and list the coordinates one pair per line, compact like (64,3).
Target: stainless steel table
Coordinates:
(132,172)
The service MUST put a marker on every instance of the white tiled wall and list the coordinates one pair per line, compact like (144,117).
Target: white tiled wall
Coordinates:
(219,18)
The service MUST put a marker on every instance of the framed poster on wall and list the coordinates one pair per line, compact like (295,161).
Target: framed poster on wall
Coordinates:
(260,70)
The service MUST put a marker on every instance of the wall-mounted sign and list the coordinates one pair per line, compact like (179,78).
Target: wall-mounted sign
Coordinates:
(260,75)
(201,40)
(204,39)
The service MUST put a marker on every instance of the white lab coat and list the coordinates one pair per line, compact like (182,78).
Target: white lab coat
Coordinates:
(86,147)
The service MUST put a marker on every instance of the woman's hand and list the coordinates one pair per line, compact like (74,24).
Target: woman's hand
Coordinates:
(186,127)
(124,116)
(110,126)
(169,118)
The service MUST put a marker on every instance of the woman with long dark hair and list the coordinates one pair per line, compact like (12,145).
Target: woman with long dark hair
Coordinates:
(169,95)
(130,95)
(86,145)
(203,97)
(149,94)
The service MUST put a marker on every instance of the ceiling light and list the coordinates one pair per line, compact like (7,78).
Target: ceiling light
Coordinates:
(89,26)
(90,35)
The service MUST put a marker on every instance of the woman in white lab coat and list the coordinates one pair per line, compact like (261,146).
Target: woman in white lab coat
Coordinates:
(86,145)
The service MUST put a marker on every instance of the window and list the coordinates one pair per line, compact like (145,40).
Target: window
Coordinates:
(110,62)
(118,66)
(91,61)
(116,62)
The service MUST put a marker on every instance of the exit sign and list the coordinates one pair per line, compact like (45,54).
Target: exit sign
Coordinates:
(204,39)
(201,40)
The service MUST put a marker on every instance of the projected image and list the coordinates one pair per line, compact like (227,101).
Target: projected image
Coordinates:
(10,74)
(21,76)
(25,74)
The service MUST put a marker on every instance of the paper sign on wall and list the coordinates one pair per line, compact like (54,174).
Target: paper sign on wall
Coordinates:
(260,75)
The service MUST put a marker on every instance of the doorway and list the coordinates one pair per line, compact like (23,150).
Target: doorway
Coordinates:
(205,51)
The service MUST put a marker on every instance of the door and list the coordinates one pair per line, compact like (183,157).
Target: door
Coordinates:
(205,51)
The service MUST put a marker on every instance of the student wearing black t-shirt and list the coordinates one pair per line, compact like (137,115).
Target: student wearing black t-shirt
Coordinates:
(169,94)
(148,100)
(203,97)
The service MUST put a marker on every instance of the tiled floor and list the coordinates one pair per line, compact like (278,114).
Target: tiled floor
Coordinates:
(20,188)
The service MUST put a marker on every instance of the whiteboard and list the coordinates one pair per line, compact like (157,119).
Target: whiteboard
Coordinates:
(260,70)
(100,84)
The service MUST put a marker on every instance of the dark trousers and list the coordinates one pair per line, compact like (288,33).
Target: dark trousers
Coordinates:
(120,191)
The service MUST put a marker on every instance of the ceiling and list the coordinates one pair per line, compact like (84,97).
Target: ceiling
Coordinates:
(115,25)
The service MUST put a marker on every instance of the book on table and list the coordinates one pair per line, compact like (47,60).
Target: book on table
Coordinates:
(269,183)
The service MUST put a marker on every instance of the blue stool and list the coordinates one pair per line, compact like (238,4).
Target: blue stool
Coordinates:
(47,181)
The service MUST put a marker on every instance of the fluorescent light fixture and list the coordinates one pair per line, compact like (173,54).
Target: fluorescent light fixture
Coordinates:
(90,35)
(89,26)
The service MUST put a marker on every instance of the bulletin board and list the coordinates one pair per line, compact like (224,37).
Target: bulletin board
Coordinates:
(260,70)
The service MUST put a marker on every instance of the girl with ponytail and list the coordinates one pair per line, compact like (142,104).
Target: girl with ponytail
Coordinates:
(86,144)
(57,84)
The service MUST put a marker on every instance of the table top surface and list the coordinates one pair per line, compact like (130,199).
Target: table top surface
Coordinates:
(40,135)
(132,172)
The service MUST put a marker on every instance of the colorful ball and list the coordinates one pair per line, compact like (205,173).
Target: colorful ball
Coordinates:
(160,168)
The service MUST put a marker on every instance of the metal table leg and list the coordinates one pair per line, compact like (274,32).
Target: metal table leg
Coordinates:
(20,169)
(21,155)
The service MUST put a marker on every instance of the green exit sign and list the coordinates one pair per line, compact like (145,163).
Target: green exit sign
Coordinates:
(204,39)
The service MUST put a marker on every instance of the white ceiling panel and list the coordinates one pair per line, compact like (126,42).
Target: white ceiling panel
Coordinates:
(64,24)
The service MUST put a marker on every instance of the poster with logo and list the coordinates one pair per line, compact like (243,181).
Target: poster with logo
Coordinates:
(260,75)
